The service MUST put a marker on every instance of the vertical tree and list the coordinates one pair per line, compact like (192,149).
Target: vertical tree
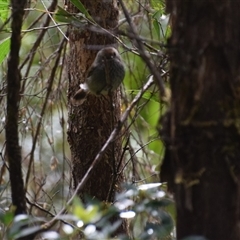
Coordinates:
(203,153)
(13,149)
(91,123)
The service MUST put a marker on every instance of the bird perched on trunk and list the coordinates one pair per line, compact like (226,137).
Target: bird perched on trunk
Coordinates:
(105,75)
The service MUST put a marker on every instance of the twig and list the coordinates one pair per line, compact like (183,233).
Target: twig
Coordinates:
(50,83)
(44,28)
(47,212)
(142,52)
(31,54)
(50,15)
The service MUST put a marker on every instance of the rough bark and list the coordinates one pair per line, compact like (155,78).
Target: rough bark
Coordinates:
(91,123)
(202,159)
(13,149)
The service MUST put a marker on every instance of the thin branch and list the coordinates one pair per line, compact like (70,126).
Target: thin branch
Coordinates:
(50,15)
(31,54)
(49,88)
(132,155)
(143,53)
(44,28)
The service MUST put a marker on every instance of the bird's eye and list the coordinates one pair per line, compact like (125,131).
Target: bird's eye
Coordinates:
(114,54)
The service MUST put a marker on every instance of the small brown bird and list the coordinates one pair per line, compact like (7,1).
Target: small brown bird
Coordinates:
(105,75)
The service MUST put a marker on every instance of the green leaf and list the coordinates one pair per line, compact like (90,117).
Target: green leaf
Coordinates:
(80,7)
(91,213)
(158,5)
(19,227)
(4,9)
(157,23)
(24,232)
(4,49)
(160,24)
(159,230)
(6,218)
(157,28)
(63,16)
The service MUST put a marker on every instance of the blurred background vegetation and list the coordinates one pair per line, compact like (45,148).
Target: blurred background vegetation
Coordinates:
(46,162)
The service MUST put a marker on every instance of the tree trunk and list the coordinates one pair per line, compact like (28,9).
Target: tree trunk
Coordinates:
(91,123)
(13,149)
(202,134)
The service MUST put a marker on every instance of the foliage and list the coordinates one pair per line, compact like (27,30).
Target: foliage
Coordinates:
(4,49)
(145,205)
(43,118)
(4,10)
